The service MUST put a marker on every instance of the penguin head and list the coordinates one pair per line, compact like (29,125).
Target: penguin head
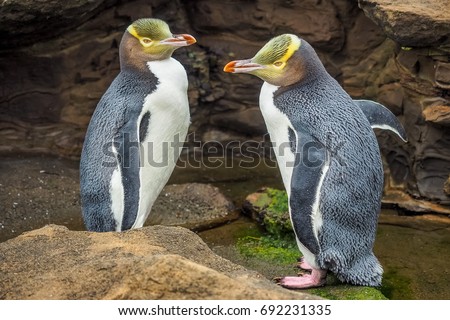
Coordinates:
(283,61)
(151,39)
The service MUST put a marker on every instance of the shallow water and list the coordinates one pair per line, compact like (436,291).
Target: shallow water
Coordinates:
(416,261)
(414,251)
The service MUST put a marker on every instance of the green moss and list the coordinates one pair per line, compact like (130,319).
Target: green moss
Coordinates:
(281,251)
(396,286)
(276,217)
(284,252)
(336,290)
(279,201)
(279,247)
(263,201)
(348,292)
(279,244)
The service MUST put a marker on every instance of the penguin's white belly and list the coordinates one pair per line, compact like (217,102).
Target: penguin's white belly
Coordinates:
(278,125)
(167,129)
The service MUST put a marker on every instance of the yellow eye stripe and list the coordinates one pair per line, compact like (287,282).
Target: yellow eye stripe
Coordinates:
(293,46)
(143,40)
(133,32)
(278,50)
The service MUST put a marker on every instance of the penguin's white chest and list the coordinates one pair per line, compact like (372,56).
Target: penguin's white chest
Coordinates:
(168,122)
(278,125)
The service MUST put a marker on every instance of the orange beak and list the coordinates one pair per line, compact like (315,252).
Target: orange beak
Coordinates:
(179,40)
(242,66)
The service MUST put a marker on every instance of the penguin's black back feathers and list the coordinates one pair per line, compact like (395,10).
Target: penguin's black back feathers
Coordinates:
(112,124)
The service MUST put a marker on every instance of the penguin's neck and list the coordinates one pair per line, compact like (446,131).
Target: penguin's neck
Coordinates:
(310,64)
(130,59)
(310,73)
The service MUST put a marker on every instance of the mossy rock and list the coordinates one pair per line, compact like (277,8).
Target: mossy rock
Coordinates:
(270,207)
(348,292)
(269,248)
(278,246)
(283,252)
(396,286)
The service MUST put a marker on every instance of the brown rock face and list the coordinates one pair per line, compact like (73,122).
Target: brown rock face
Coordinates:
(25,22)
(150,263)
(421,71)
(415,23)
(50,88)
(437,114)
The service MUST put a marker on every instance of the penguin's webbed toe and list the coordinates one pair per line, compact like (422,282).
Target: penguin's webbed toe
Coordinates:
(317,278)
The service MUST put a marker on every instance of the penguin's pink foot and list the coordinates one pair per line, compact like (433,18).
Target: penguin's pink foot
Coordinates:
(317,278)
(302,264)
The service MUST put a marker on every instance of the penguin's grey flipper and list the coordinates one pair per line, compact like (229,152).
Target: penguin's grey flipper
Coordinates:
(381,117)
(128,155)
(311,164)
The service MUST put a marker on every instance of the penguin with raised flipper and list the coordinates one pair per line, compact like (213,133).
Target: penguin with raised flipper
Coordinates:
(136,132)
(329,160)
(381,117)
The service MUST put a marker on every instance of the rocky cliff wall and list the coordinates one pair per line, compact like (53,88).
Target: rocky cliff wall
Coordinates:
(57,59)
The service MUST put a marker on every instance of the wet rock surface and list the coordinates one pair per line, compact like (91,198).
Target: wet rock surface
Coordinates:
(193,205)
(36,191)
(405,249)
(151,263)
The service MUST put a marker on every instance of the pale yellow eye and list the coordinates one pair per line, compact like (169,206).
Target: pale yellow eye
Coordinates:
(278,63)
(146,41)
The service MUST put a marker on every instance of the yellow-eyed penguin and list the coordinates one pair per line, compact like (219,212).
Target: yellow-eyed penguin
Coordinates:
(329,160)
(136,133)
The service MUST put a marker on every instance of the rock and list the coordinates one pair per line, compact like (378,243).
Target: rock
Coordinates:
(255,203)
(270,208)
(192,205)
(414,23)
(23,22)
(447,186)
(442,75)
(405,201)
(411,82)
(150,263)
(221,135)
(438,114)
(255,20)
(424,222)
(38,190)
(35,191)
(424,104)
(249,121)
